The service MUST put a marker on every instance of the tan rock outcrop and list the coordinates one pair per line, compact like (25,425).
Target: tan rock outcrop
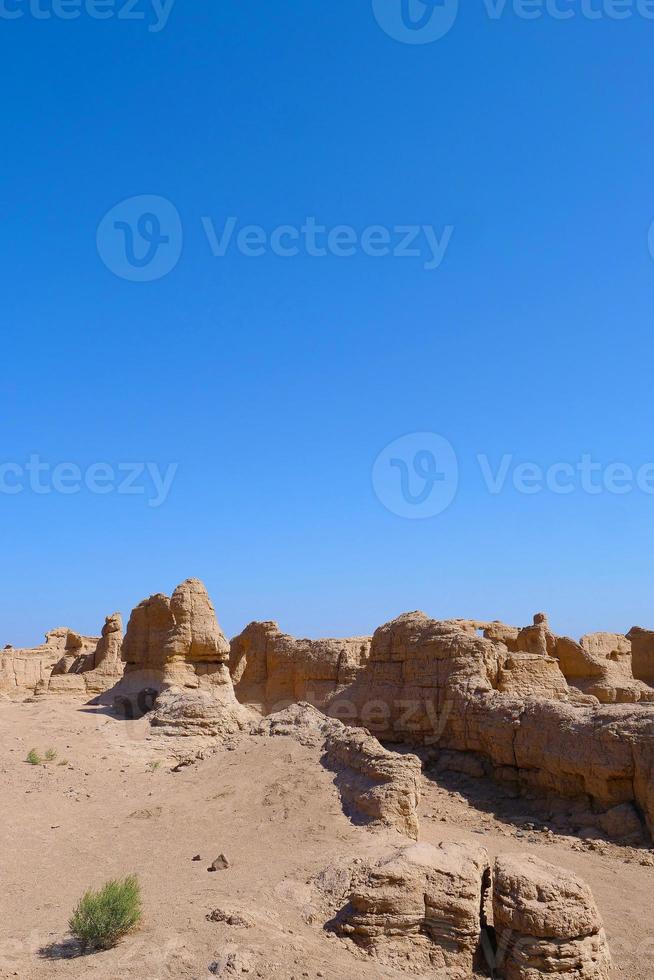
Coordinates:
(380,786)
(546,922)
(600,665)
(175,642)
(204,711)
(642,654)
(105,667)
(528,674)
(421,906)
(195,647)
(74,654)
(377,787)
(143,647)
(427,909)
(432,683)
(442,685)
(607,646)
(88,671)
(62,683)
(537,638)
(174,649)
(272,669)
(23,670)
(508,635)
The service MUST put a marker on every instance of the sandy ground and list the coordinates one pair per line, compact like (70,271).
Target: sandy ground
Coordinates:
(116,807)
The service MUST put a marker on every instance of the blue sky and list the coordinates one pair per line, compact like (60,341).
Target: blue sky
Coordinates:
(272,383)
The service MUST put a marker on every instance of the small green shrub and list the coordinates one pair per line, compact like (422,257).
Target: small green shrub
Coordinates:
(51,755)
(63,762)
(103,917)
(33,758)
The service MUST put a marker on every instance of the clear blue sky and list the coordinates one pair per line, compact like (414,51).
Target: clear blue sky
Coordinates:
(275,382)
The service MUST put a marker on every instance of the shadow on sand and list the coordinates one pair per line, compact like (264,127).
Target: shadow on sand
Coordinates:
(64,949)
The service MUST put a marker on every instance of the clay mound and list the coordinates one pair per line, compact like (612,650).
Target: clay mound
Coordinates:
(201,712)
(421,906)
(300,721)
(143,647)
(528,674)
(378,788)
(546,922)
(195,647)
(601,665)
(381,787)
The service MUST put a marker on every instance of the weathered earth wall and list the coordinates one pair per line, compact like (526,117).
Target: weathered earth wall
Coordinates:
(272,669)
(21,670)
(443,685)
(434,683)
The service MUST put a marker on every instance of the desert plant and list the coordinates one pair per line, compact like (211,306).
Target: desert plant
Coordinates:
(50,755)
(63,762)
(103,917)
(33,758)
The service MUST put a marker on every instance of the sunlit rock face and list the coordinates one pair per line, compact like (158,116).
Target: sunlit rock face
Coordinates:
(272,669)
(175,651)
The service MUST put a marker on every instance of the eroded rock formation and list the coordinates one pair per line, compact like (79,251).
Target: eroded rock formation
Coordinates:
(642,654)
(23,670)
(143,647)
(377,787)
(546,922)
(530,707)
(600,664)
(421,905)
(382,786)
(175,649)
(90,672)
(212,712)
(442,685)
(105,667)
(272,669)
(436,684)
(175,642)
(429,909)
